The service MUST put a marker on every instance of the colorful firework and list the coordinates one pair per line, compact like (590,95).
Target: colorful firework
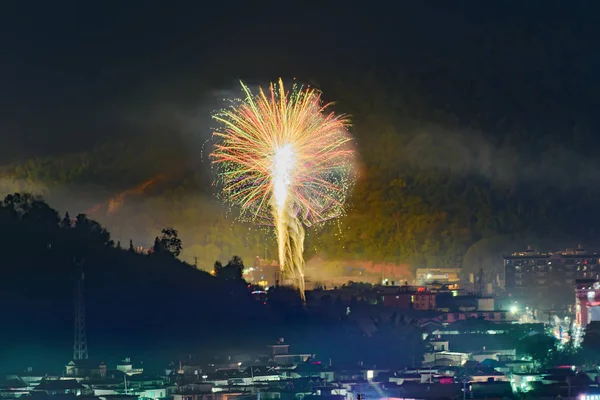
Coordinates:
(285,160)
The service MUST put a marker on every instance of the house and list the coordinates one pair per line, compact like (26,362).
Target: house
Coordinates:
(438,344)
(13,387)
(85,369)
(128,367)
(487,375)
(400,378)
(280,355)
(292,359)
(445,358)
(190,395)
(60,386)
(261,374)
(118,397)
(31,378)
(308,370)
(497,355)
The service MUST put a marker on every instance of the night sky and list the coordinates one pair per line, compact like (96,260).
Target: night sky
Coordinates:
(73,72)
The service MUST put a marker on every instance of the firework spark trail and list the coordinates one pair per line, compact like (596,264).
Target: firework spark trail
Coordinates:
(285,160)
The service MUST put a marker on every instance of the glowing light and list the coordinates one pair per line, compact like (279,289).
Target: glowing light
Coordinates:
(285,161)
(281,170)
(514,309)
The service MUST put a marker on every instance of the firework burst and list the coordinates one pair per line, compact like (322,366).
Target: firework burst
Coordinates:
(284,159)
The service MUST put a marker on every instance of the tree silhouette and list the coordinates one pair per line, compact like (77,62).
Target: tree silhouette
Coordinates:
(157,247)
(218,268)
(66,221)
(169,242)
(233,271)
(540,347)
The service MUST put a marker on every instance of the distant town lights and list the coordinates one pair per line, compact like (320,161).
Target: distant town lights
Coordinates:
(589,397)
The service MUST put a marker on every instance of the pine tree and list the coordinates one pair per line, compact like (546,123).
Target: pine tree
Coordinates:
(157,248)
(66,221)
(218,268)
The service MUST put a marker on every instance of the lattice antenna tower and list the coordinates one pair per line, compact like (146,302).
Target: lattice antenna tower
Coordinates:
(80,348)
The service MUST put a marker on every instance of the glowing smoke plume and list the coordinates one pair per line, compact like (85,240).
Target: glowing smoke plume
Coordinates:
(116,202)
(284,160)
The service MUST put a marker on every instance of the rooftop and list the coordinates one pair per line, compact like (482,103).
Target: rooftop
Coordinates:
(59,384)
(578,252)
(12,384)
(88,364)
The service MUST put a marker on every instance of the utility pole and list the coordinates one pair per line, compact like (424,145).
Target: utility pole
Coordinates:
(196,262)
(80,349)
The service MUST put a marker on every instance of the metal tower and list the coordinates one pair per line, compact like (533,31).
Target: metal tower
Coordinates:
(80,349)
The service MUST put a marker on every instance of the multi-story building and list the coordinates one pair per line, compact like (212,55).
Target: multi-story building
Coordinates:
(407,297)
(440,275)
(493,316)
(547,280)
(587,301)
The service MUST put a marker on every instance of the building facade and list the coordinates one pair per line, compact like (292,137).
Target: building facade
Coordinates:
(587,301)
(406,297)
(440,275)
(547,280)
(492,316)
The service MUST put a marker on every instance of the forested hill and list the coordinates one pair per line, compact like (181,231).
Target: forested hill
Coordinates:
(433,191)
(134,302)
